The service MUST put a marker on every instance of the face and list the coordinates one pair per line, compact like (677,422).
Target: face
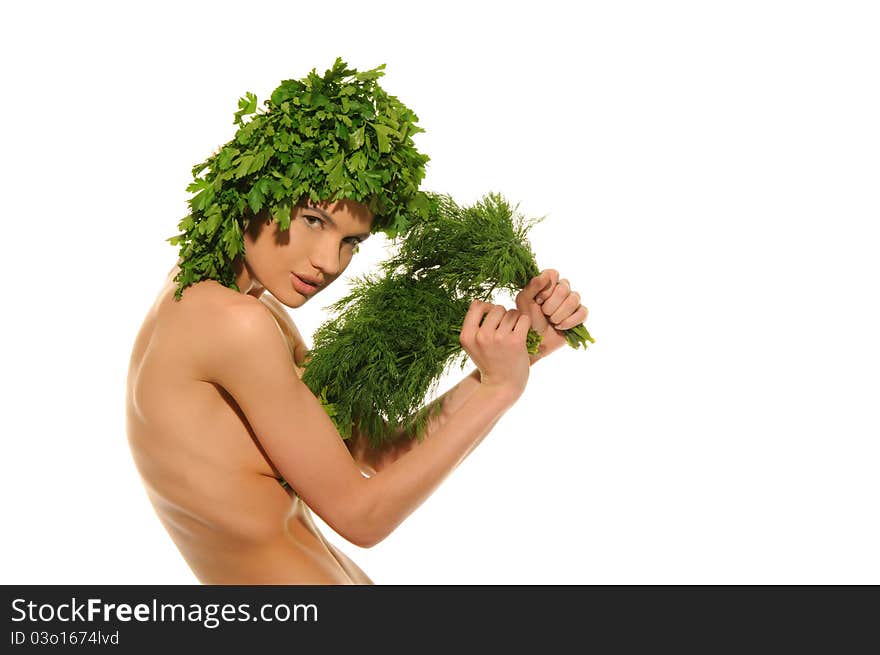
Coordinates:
(295,264)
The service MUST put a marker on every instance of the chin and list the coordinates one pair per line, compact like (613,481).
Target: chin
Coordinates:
(290,299)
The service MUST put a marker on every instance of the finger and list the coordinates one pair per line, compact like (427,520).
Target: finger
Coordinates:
(493,318)
(523,323)
(509,321)
(548,288)
(579,316)
(566,309)
(541,281)
(472,319)
(560,293)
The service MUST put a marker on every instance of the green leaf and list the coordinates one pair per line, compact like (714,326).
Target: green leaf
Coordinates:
(336,170)
(255,199)
(244,165)
(356,138)
(186,223)
(282,216)
(369,75)
(202,200)
(246,106)
(383,132)
(227,154)
(212,221)
(196,185)
(357,162)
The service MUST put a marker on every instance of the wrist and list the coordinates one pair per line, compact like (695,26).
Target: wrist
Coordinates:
(500,394)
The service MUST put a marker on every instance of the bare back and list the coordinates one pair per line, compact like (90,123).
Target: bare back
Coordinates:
(211,484)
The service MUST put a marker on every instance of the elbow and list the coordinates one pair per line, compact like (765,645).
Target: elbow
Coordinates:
(363,541)
(364,525)
(364,533)
(368,539)
(360,533)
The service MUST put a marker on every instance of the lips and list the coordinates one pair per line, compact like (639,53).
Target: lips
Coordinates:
(305,286)
(308,280)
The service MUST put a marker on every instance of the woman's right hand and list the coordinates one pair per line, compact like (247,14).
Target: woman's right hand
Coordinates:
(498,346)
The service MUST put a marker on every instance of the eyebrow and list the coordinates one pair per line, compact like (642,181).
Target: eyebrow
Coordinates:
(363,236)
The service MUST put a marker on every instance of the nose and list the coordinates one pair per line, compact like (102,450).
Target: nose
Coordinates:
(325,257)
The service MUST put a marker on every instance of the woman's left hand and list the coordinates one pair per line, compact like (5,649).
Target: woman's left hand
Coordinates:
(552,307)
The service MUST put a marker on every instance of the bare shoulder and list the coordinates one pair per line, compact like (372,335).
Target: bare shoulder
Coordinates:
(223,324)
(236,315)
(210,304)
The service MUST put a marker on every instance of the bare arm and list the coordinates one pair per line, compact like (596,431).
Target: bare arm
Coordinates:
(375,459)
(495,340)
(252,362)
(369,459)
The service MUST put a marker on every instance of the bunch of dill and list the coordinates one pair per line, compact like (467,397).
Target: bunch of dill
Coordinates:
(471,251)
(374,364)
(396,333)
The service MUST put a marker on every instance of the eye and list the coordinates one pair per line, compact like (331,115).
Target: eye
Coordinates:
(312,221)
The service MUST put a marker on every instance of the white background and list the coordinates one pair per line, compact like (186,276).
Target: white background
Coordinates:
(710,176)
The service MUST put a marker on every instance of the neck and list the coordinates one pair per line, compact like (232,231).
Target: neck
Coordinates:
(245,280)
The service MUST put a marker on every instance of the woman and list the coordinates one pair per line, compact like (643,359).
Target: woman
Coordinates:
(217,414)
